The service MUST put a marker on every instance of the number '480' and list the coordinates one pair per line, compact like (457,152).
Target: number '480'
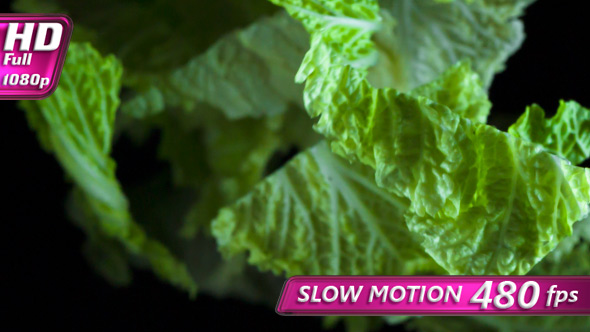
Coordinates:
(505,299)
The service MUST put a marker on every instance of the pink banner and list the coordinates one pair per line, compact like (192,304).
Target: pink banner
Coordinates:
(33,49)
(435,295)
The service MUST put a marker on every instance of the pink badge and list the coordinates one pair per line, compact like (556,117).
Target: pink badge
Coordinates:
(440,295)
(32,54)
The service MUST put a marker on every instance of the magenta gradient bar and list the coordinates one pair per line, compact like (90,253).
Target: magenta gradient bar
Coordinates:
(44,63)
(556,295)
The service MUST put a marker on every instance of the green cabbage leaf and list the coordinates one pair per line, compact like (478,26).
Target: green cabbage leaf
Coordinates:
(76,124)
(481,201)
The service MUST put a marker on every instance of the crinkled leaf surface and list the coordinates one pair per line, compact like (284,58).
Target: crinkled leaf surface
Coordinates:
(460,89)
(566,134)
(343,25)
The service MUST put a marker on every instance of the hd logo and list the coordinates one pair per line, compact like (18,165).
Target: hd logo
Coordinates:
(34,48)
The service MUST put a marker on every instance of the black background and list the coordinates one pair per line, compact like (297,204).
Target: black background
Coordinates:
(45,280)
